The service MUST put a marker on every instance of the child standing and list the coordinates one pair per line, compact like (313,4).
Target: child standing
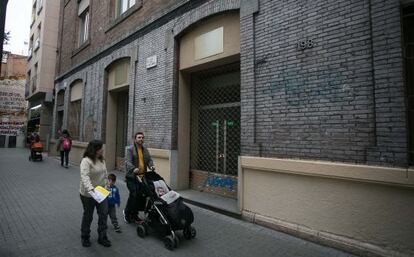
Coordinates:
(113,199)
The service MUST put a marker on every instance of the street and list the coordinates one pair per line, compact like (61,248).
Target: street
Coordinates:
(41,214)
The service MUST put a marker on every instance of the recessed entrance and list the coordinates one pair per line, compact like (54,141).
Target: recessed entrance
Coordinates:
(215,129)
(117,113)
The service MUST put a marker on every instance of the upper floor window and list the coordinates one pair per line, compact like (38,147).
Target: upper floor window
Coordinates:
(84,27)
(83,13)
(122,6)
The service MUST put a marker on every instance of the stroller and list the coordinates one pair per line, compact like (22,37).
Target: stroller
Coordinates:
(36,150)
(165,212)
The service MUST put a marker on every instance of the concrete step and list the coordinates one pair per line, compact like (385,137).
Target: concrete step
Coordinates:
(220,204)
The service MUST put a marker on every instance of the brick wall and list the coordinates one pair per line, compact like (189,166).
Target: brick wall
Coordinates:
(104,28)
(340,99)
(321,102)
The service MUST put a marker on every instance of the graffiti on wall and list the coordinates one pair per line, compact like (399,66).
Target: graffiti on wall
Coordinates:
(220,181)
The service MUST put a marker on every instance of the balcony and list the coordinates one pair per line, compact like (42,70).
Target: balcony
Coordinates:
(39,6)
(33,83)
(30,53)
(27,89)
(37,44)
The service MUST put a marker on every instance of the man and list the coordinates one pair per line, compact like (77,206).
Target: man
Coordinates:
(137,160)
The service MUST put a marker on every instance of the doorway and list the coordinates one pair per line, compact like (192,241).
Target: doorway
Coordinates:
(215,130)
(121,129)
(408,31)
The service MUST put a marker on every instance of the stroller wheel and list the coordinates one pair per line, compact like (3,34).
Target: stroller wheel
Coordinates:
(189,232)
(176,241)
(169,242)
(141,231)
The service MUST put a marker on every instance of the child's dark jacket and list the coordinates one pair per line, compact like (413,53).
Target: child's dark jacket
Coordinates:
(113,197)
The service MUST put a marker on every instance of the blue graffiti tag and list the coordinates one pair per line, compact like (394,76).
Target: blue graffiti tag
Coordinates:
(218,181)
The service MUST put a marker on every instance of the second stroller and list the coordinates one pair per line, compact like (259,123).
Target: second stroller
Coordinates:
(165,212)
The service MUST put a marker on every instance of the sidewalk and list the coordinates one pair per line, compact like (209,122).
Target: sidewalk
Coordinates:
(41,214)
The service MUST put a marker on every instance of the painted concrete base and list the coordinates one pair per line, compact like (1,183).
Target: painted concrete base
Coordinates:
(321,237)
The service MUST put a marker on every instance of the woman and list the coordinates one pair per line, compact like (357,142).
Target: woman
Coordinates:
(93,173)
(63,146)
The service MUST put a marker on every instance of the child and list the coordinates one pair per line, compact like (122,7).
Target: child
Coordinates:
(160,191)
(113,199)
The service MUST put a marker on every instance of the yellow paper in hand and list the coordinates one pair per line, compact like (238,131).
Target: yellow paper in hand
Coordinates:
(99,194)
(102,190)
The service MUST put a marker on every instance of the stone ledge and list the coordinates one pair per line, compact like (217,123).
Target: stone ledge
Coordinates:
(363,173)
(321,237)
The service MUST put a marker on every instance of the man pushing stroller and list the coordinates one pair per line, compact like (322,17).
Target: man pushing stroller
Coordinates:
(137,161)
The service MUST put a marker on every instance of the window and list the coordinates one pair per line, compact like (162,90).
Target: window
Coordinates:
(60,98)
(30,51)
(84,27)
(60,102)
(74,111)
(34,78)
(37,41)
(122,6)
(83,14)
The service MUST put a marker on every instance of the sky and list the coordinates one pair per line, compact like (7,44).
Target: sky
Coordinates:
(18,18)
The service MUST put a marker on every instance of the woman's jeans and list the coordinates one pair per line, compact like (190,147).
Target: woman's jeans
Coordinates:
(89,205)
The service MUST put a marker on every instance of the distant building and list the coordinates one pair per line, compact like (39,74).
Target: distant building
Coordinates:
(301,111)
(41,66)
(13,106)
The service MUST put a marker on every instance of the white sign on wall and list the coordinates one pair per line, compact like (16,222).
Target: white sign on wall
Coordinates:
(209,44)
(151,61)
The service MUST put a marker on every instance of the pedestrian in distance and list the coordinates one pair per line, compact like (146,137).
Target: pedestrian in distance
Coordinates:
(93,173)
(137,161)
(64,145)
(113,200)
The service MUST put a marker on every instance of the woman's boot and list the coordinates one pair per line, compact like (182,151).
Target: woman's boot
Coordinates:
(103,240)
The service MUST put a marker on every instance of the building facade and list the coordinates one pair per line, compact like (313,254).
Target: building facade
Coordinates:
(41,66)
(13,106)
(297,109)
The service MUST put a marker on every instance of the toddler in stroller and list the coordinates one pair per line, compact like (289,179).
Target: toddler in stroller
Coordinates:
(165,212)
(36,149)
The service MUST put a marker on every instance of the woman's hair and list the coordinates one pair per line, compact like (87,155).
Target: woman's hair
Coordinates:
(65,132)
(92,148)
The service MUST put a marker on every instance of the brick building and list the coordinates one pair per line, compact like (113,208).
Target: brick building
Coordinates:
(297,109)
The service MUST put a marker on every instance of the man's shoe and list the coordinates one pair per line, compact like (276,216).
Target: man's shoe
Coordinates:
(104,241)
(86,242)
(126,219)
(117,229)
